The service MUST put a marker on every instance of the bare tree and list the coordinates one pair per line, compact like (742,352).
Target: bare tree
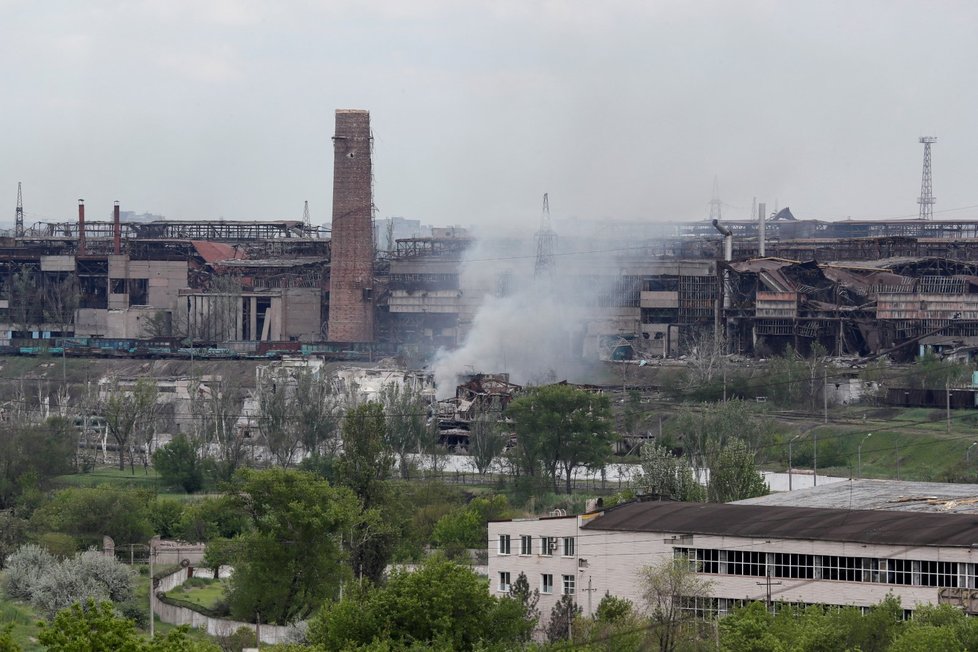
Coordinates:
(61,300)
(406,412)
(215,409)
(705,356)
(124,410)
(298,410)
(23,298)
(666,589)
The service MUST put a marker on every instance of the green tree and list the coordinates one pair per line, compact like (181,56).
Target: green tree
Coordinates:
(528,599)
(560,428)
(289,563)
(562,617)
(615,627)
(668,476)
(94,627)
(734,475)
(664,588)
(487,441)
(441,604)
(179,464)
(365,469)
(215,408)
(31,454)
(89,513)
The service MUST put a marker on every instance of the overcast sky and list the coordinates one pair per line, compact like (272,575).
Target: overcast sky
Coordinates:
(618,109)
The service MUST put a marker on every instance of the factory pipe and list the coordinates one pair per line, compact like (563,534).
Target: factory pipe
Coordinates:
(760,229)
(81,227)
(116,230)
(727,240)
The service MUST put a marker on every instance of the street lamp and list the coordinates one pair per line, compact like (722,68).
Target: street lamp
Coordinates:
(790,441)
(859,456)
(967,455)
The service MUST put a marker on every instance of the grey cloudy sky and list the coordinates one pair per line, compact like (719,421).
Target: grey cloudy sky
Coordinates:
(618,109)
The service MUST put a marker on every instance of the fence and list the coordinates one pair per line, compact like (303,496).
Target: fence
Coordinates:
(591,485)
(177,615)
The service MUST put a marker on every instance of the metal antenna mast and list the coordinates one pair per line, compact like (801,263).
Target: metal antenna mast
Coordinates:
(19,215)
(927,198)
(546,243)
(305,214)
(715,203)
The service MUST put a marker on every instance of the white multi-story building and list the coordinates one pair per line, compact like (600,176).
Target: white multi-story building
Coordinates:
(746,552)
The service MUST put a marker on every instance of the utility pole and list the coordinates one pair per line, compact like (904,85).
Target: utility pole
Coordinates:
(152,592)
(859,456)
(825,395)
(814,458)
(947,392)
(768,583)
(19,214)
(927,198)
(790,442)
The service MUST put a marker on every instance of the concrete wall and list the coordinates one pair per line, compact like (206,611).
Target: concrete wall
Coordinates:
(175,615)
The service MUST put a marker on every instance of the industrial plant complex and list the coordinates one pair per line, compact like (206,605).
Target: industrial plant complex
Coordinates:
(858,288)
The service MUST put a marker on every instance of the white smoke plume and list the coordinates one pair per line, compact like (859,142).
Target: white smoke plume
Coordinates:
(532,328)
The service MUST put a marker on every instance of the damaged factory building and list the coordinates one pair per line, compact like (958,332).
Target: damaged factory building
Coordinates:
(126,287)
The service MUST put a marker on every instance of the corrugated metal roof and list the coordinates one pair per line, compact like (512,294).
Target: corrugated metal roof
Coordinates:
(889,495)
(214,252)
(768,522)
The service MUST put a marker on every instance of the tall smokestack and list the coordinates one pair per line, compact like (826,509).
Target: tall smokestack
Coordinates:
(760,229)
(81,227)
(351,305)
(116,230)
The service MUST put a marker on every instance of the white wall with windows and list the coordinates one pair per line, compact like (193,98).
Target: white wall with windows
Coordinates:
(566,558)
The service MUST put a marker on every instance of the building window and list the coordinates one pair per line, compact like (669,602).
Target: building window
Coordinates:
(504,582)
(526,545)
(568,546)
(546,583)
(745,562)
(504,544)
(545,546)
(568,584)
(794,566)
(938,573)
(900,571)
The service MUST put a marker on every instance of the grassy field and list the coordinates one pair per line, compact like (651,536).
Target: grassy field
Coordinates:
(201,591)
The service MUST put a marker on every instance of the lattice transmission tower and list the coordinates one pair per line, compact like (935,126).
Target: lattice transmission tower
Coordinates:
(546,243)
(927,198)
(19,214)
(305,215)
(715,202)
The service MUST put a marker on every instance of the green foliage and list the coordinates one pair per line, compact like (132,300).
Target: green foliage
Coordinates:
(88,513)
(88,575)
(933,372)
(212,517)
(7,642)
(298,410)
(487,441)
(562,618)
(130,416)
(559,429)
(13,532)
(527,599)
(92,627)
(423,504)
(468,527)
(180,465)
(165,516)
(406,430)
(754,629)
(31,454)
(668,476)
(243,637)
(613,609)
(441,604)
(289,562)
(365,468)
(96,627)
(734,476)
